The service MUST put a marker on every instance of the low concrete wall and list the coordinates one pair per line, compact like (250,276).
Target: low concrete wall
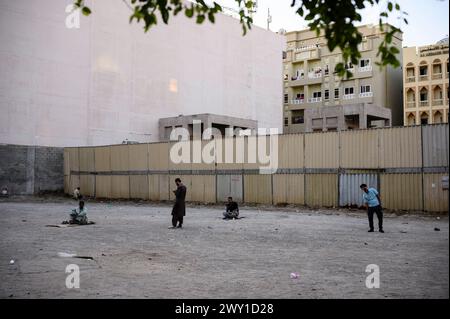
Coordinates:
(31,170)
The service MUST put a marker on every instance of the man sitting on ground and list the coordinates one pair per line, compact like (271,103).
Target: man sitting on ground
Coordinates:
(79,215)
(232,210)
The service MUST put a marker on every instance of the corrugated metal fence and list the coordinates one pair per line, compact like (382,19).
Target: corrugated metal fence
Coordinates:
(409,165)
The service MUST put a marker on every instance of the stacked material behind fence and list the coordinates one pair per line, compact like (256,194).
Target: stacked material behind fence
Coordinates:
(408,165)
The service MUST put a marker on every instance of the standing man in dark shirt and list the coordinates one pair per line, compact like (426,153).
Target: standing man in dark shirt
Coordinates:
(179,208)
(232,209)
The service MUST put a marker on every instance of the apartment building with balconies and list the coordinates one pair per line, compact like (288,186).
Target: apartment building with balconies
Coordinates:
(425,77)
(317,99)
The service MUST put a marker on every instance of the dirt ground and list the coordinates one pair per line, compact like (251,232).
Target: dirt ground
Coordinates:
(137,256)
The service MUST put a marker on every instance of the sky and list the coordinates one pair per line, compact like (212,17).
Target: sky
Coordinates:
(428,19)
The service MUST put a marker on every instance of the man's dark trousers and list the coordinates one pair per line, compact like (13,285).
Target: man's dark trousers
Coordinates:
(376,210)
(176,219)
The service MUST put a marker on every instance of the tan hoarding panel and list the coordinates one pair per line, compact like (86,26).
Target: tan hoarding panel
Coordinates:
(74,182)
(138,157)
(229,185)
(66,162)
(180,156)
(290,151)
(435,192)
(204,155)
(251,153)
(322,150)
(102,159)
(296,189)
(158,156)
(401,191)
(258,188)
(74,159)
(186,180)
(203,188)
(103,186)
(359,149)
(66,184)
(400,147)
(139,186)
(153,187)
(232,150)
(435,145)
(321,190)
(288,189)
(164,187)
(87,163)
(87,185)
(119,158)
(120,186)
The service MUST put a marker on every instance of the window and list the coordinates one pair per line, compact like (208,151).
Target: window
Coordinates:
(364,62)
(284,55)
(423,70)
(286,121)
(300,96)
(286,98)
(423,96)
(317,94)
(365,89)
(297,117)
(286,77)
(327,94)
(326,71)
(348,90)
(336,93)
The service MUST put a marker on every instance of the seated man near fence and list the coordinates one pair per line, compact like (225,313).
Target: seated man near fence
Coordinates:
(79,215)
(77,194)
(232,210)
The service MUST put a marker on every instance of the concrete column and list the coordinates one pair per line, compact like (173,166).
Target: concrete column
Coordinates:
(362,120)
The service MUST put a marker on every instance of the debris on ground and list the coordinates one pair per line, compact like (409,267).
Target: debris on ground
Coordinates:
(436,229)
(11,262)
(294,275)
(66,255)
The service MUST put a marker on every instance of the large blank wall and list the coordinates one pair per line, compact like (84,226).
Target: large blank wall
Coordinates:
(109,81)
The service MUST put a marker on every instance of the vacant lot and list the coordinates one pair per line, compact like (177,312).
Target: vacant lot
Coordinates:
(135,255)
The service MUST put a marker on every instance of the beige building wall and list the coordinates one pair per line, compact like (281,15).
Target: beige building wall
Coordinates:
(308,69)
(425,78)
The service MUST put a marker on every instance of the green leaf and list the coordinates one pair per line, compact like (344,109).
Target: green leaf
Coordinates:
(86,11)
(390,6)
(200,19)
(189,12)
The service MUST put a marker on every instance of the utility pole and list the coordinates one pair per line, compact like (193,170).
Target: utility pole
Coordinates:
(269,18)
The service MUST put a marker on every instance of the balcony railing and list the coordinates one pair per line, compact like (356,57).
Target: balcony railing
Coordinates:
(366,94)
(411,104)
(436,76)
(315,99)
(423,77)
(424,103)
(315,75)
(410,79)
(438,102)
(297,101)
(348,96)
(366,68)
